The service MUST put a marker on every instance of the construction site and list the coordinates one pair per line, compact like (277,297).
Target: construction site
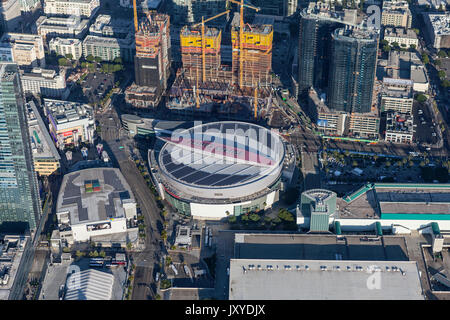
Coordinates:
(207,85)
(152,60)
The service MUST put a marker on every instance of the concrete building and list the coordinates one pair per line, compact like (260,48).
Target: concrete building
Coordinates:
(364,125)
(52,27)
(403,37)
(45,83)
(399,127)
(28,5)
(188,11)
(438,27)
(83,8)
(110,38)
(109,48)
(93,204)
(63,47)
(396,13)
(218,185)
(397,95)
(319,205)
(46,158)
(70,123)
(420,78)
(27,49)
(12,249)
(10,17)
(285,279)
(396,207)
(276,7)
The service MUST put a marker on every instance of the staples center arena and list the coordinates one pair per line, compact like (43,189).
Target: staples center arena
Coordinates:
(218,169)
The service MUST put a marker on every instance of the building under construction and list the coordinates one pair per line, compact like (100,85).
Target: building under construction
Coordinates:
(152,61)
(203,79)
(252,67)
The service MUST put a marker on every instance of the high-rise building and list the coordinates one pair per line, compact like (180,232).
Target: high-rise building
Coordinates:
(185,11)
(19,195)
(83,8)
(317,22)
(256,55)
(9,15)
(276,7)
(352,69)
(152,64)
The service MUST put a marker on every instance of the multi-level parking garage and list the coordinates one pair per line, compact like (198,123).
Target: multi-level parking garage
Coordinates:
(213,170)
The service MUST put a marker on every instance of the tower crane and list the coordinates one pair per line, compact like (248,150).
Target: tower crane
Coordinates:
(204,40)
(241,36)
(136,26)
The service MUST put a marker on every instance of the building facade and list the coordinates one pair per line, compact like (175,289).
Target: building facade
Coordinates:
(403,37)
(46,83)
(438,27)
(399,127)
(108,48)
(63,47)
(396,13)
(19,193)
(397,95)
(84,8)
(10,15)
(52,27)
(352,70)
(27,49)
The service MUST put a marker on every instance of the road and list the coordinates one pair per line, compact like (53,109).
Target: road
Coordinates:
(112,138)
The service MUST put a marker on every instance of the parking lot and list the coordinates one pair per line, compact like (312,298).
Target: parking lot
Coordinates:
(93,88)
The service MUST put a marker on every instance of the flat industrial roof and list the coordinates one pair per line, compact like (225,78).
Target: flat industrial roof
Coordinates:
(324,280)
(85,203)
(318,247)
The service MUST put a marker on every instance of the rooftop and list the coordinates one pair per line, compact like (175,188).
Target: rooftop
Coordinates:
(41,142)
(95,194)
(11,251)
(400,33)
(397,88)
(399,123)
(66,111)
(440,23)
(323,11)
(89,284)
(323,280)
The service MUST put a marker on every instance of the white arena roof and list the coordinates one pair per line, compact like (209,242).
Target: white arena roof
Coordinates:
(89,285)
(252,279)
(221,160)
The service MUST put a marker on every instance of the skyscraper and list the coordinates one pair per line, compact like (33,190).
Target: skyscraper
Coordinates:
(352,69)
(19,195)
(317,22)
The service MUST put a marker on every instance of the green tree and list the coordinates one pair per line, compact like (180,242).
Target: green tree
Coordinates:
(442,54)
(445,83)
(63,62)
(285,215)
(421,98)
(417,31)
(69,56)
(93,254)
(98,59)
(441,74)
(90,58)
(254,217)
(425,58)
(165,284)
(244,218)
(66,250)
(386,48)
(438,62)
(102,253)
(232,219)
(412,47)
(79,254)
(129,245)
(118,60)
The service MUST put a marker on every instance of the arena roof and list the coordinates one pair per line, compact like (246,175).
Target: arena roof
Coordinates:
(222,155)
(324,280)
(94,194)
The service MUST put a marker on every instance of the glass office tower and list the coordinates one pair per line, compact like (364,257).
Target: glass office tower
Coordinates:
(317,23)
(352,71)
(19,194)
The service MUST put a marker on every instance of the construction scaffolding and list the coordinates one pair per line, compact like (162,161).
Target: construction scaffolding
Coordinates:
(257,55)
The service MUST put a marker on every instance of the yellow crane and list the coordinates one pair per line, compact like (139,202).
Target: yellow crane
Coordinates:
(241,35)
(136,27)
(204,41)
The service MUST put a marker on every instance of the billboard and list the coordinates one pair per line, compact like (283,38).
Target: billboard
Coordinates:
(322,123)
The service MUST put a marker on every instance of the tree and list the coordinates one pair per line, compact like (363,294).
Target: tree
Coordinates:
(165,284)
(441,74)
(69,56)
(412,47)
(102,253)
(442,54)
(232,219)
(285,215)
(417,31)
(98,59)
(438,62)
(395,44)
(63,62)
(66,250)
(93,254)
(118,60)
(421,98)
(244,218)
(79,254)
(386,48)
(254,217)
(445,83)
(90,58)
(129,245)
(425,58)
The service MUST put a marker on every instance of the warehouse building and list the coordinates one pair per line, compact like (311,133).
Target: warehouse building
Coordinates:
(260,279)
(95,204)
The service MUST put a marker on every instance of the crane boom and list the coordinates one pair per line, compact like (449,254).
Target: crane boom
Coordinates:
(136,26)
(241,36)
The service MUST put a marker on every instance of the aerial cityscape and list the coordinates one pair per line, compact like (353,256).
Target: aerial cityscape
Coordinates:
(224,150)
